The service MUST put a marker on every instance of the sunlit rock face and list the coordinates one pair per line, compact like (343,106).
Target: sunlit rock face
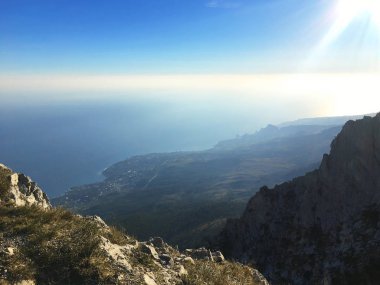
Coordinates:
(21,190)
(322,228)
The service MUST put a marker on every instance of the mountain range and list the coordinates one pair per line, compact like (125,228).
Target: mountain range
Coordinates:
(186,197)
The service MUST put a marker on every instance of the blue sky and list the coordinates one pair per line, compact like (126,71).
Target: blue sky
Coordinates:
(150,36)
(199,50)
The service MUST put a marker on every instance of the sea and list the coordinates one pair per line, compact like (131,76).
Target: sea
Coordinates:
(66,144)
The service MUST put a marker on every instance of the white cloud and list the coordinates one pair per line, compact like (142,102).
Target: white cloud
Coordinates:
(212,4)
(223,4)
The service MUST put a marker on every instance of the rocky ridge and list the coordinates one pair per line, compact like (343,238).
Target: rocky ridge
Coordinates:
(321,228)
(20,190)
(44,245)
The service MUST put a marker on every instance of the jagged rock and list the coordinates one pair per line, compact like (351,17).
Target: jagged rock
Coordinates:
(23,191)
(166,259)
(117,253)
(157,242)
(188,260)
(148,249)
(98,220)
(217,256)
(322,227)
(149,280)
(200,253)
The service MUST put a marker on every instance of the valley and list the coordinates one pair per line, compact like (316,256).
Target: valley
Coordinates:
(186,197)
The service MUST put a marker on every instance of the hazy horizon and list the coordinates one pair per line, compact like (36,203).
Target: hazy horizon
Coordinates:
(106,80)
(288,57)
(66,145)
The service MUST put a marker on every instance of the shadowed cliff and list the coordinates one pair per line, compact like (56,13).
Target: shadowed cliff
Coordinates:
(321,228)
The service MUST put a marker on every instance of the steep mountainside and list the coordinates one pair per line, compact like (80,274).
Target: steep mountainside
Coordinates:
(43,245)
(183,195)
(321,228)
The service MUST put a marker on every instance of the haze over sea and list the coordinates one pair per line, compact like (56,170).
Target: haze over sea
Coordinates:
(63,131)
(65,145)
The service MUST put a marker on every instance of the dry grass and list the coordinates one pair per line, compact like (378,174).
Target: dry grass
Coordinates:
(210,273)
(4,181)
(57,245)
(118,236)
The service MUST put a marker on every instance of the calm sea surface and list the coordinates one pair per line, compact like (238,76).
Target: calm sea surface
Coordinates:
(65,145)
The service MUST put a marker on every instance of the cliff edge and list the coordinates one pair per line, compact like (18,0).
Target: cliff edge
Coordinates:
(321,228)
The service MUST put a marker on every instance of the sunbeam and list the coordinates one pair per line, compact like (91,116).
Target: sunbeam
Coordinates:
(361,19)
(348,10)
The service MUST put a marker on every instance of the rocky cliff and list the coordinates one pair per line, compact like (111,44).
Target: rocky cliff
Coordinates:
(20,190)
(321,228)
(44,245)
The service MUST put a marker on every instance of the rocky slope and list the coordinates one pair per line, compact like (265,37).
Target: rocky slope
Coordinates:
(321,228)
(20,190)
(44,245)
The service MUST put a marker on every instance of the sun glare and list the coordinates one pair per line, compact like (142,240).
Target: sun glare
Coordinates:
(344,13)
(348,10)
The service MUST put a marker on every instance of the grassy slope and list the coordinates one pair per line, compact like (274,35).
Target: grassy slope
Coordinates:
(54,246)
(204,272)
(58,247)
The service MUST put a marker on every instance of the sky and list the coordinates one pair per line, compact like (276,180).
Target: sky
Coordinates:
(323,53)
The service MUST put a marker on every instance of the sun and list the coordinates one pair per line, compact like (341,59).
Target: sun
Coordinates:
(348,10)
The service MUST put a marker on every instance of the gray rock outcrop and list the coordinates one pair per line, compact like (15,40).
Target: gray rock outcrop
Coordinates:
(22,191)
(322,228)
